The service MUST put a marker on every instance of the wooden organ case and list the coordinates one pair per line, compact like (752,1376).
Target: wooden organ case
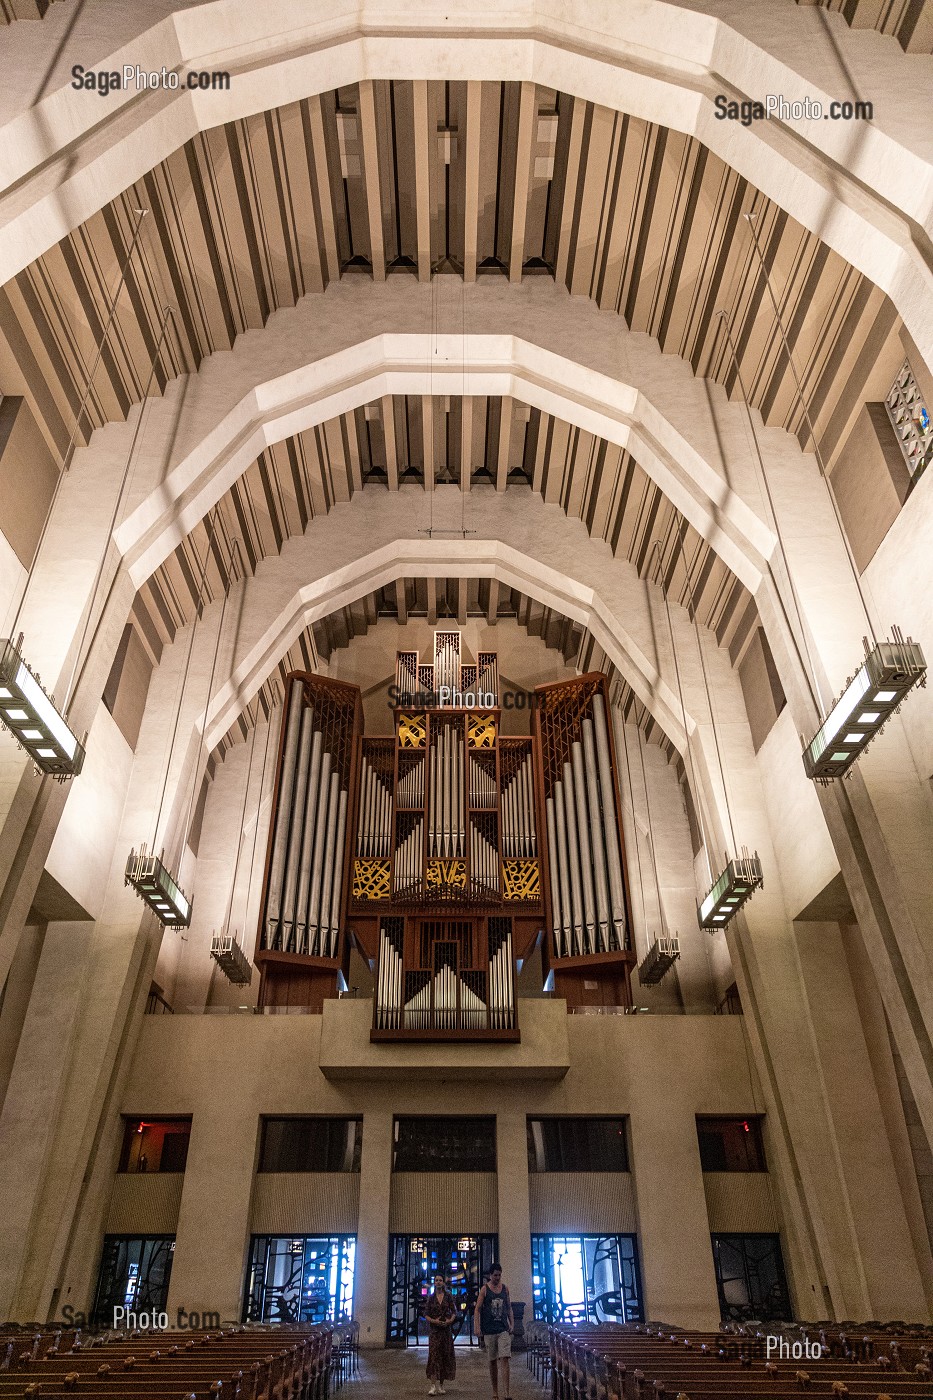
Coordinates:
(300,942)
(444,851)
(589,909)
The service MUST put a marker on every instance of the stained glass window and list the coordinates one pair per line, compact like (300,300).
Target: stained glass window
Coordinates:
(585,1278)
(301,1278)
(750,1278)
(911,420)
(134,1274)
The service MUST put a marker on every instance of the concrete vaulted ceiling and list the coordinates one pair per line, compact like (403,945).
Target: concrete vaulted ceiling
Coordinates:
(909,23)
(590,184)
(293,482)
(362,550)
(628,193)
(443,601)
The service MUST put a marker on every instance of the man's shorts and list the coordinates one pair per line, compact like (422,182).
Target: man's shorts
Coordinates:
(498,1345)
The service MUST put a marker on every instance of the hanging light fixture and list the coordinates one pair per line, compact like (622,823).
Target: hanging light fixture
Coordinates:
(26,708)
(147,874)
(891,668)
(888,673)
(157,887)
(734,888)
(31,717)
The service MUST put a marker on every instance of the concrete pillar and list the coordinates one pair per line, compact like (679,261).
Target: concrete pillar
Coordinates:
(677,1270)
(34,1100)
(16,995)
(372,1240)
(514,1212)
(858,1144)
(211,1253)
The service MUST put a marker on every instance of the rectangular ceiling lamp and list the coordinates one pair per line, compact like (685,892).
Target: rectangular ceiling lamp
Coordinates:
(660,958)
(735,887)
(231,959)
(888,672)
(157,888)
(32,719)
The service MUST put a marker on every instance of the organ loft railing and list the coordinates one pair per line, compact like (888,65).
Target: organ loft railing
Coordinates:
(447,849)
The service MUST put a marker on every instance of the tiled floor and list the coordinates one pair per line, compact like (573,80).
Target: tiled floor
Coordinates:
(401,1374)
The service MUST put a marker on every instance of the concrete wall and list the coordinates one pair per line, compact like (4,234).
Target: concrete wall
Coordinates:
(661,1071)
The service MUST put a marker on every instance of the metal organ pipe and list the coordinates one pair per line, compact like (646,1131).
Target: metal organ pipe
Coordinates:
(327,876)
(590,931)
(610,821)
(296,813)
(307,838)
(317,859)
(563,862)
(365,800)
(600,872)
(573,856)
(554,871)
(338,870)
(283,811)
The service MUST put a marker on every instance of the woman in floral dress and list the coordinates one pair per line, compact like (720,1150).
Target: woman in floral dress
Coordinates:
(441,1314)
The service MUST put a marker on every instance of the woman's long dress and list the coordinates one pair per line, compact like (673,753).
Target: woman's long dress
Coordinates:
(442,1364)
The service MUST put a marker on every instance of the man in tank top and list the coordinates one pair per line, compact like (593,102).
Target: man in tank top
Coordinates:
(493,1321)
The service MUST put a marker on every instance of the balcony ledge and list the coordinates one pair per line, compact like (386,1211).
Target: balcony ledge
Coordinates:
(348,1053)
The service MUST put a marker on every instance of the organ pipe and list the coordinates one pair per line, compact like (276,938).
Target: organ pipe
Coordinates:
(554,871)
(302,908)
(573,857)
(296,814)
(338,871)
(610,822)
(317,859)
(284,808)
(307,839)
(566,907)
(330,855)
(518,827)
(591,942)
(600,872)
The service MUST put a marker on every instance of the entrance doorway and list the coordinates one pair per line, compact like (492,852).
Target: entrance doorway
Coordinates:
(464,1260)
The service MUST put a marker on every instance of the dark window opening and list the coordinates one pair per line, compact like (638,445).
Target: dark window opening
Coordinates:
(310,1145)
(155,1144)
(134,1274)
(445,1145)
(750,1278)
(577,1145)
(585,1278)
(731,1145)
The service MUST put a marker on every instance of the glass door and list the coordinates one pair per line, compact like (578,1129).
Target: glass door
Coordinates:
(464,1260)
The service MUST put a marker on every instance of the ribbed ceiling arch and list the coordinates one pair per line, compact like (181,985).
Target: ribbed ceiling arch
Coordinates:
(409,178)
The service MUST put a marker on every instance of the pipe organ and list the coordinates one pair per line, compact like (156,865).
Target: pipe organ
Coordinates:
(588,904)
(299,946)
(443,853)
